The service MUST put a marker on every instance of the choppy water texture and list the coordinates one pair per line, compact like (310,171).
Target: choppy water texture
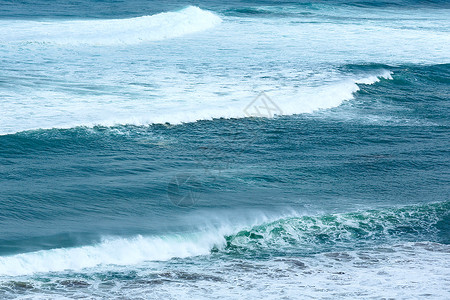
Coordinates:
(252,149)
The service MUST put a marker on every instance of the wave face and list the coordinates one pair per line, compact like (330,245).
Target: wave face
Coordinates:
(110,32)
(282,237)
(341,231)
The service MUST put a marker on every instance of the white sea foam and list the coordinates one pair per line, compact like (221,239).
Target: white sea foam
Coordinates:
(128,251)
(56,110)
(403,271)
(114,251)
(110,32)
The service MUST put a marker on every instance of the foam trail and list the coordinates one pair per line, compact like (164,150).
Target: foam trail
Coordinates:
(110,32)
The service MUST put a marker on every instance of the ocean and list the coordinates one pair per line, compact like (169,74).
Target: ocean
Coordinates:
(205,149)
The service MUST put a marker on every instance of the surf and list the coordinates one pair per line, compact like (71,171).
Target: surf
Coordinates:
(108,32)
(295,232)
(139,112)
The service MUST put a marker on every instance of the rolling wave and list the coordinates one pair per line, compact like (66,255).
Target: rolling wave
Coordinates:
(341,230)
(302,233)
(110,32)
(104,112)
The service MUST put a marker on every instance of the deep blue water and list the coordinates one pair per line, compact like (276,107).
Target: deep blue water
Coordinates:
(138,159)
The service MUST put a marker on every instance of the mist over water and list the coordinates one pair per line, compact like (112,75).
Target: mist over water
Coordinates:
(239,150)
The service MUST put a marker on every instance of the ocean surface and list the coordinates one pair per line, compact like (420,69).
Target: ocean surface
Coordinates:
(224,149)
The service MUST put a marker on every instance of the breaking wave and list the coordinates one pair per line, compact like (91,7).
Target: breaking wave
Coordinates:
(302,234)
(139,112)
(110,32)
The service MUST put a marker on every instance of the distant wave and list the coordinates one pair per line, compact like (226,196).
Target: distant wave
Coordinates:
(302,233)
(110,32)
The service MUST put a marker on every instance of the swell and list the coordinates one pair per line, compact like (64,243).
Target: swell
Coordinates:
(300,235)
(319,8)
(95,9)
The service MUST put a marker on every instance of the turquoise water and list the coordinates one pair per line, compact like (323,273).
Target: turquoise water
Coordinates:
(254,149)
